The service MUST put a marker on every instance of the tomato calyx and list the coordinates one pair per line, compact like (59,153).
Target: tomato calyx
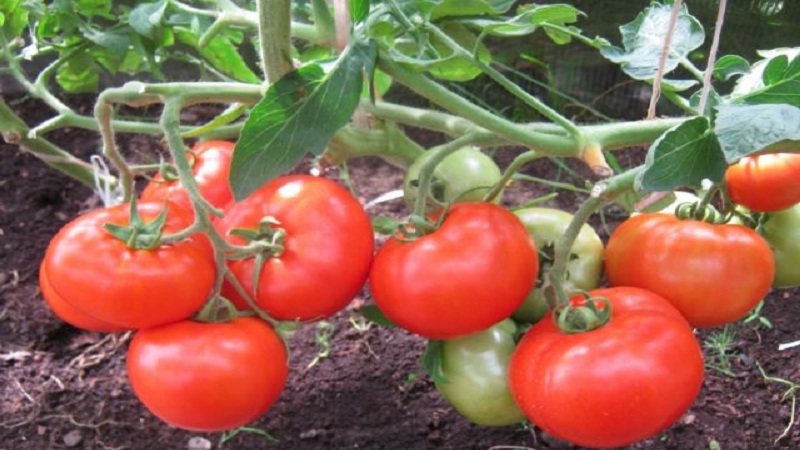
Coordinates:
(267,239)
(139,235)
(583,315)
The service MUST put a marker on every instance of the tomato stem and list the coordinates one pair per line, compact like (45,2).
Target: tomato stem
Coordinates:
(427,169)
(602,193)
(274,30)
(510,171)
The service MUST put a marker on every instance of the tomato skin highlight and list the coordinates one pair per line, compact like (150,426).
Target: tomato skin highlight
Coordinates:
(782,231)
(471,273)
(765,183)
(99,275)
(212,167)
(476,368)
(713,274)
(621,383)
(327,251)
(208,376)
(68,313)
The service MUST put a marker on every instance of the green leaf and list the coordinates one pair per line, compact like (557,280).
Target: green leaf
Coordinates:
(91,8)
(730,66)
(147,17)
(117,42)
(745,129)
(643,40)
(455,8)
(221,54)
(359,10)
(685,155)
(775,69)
(432,361)
(79,74)
(374,314)
(457,68)
(529,20)
(299,114)
(60,20)
(774,79)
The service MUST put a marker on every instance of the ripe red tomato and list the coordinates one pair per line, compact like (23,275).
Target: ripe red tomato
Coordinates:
(615,385)
(212,165)
(101,276)
(208,376)
(69,313)
(327,249)
(765,183)
(713,274)
(471,273)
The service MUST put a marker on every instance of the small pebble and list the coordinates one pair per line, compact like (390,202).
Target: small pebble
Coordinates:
(199,443)
(73,438)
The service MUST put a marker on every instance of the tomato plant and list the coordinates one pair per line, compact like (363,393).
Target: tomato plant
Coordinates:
(765,183)
(320,245)
(68,313)
(208,376)
(475,375)
(782,231)
(689,263)
(465,175)
(211,166)
(623,382)
(470,273)
(546,226)
(116,282)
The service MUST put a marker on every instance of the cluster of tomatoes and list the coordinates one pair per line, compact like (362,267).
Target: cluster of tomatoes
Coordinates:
(108,270)
(300,248)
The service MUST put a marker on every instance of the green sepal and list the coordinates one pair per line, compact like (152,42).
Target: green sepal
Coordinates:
(139,235)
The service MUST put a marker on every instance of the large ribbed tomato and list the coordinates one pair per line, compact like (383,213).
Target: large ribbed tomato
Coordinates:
(714,274)
(326,244)
(765,183)
(469,274)
(208,376)
(620,383)
(100,275)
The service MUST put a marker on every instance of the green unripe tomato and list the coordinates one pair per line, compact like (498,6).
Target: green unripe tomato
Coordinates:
(476,368)
(546,225)
(463,176)
(782,231)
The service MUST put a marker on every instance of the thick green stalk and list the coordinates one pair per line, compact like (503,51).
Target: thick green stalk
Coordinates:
(455,103)
(275,42)
(323,20)
(15,131)
(386,141)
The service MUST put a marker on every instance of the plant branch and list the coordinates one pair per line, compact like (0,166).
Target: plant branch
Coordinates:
(323,20)
(275,43)
(439,154)
(15,131)
(512,169)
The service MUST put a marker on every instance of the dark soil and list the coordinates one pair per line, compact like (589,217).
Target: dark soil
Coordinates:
(66,388)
